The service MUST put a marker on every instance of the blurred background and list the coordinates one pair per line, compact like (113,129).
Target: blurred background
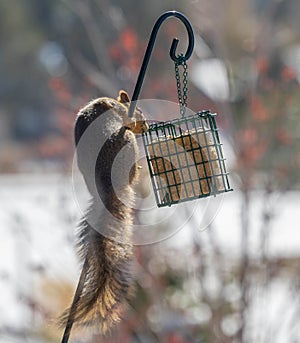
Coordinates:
(232,273)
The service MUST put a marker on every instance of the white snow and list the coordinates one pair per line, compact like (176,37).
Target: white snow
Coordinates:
(38,215)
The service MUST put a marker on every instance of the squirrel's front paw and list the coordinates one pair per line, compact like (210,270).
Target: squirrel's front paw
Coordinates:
(129,123)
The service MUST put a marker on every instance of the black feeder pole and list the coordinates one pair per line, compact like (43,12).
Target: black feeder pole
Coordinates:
(184,155)
(173,48)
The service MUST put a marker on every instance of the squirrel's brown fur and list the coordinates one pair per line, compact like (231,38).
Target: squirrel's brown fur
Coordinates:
(105,231)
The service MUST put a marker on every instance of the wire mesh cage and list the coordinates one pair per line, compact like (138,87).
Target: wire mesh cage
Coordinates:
(185,159)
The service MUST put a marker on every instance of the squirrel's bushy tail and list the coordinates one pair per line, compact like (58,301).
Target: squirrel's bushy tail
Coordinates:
(107,283)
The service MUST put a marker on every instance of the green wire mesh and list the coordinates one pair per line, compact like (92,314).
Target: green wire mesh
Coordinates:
(185,159)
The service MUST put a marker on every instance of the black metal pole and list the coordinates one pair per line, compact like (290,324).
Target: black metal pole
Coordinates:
(79,289)
(173,56)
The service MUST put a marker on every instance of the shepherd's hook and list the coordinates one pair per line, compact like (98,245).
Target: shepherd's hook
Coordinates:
(178,58)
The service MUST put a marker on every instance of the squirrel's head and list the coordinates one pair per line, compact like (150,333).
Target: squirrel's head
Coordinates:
(137,123)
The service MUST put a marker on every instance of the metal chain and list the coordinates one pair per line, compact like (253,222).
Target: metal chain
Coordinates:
(182,93)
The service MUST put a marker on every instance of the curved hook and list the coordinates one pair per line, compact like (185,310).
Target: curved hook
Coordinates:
(190,48)
(173,48)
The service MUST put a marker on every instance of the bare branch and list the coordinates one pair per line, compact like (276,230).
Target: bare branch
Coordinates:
(83,11)
(102,82)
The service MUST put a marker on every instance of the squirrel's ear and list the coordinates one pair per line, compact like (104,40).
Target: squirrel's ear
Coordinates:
(123,97)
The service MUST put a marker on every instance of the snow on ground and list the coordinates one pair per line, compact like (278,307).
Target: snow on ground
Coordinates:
(38,214)
(284,240)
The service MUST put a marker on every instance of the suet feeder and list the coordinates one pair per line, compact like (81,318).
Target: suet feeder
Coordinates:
(184,155)
(185,159)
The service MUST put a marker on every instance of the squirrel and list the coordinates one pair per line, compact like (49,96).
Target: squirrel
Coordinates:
(104,239)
